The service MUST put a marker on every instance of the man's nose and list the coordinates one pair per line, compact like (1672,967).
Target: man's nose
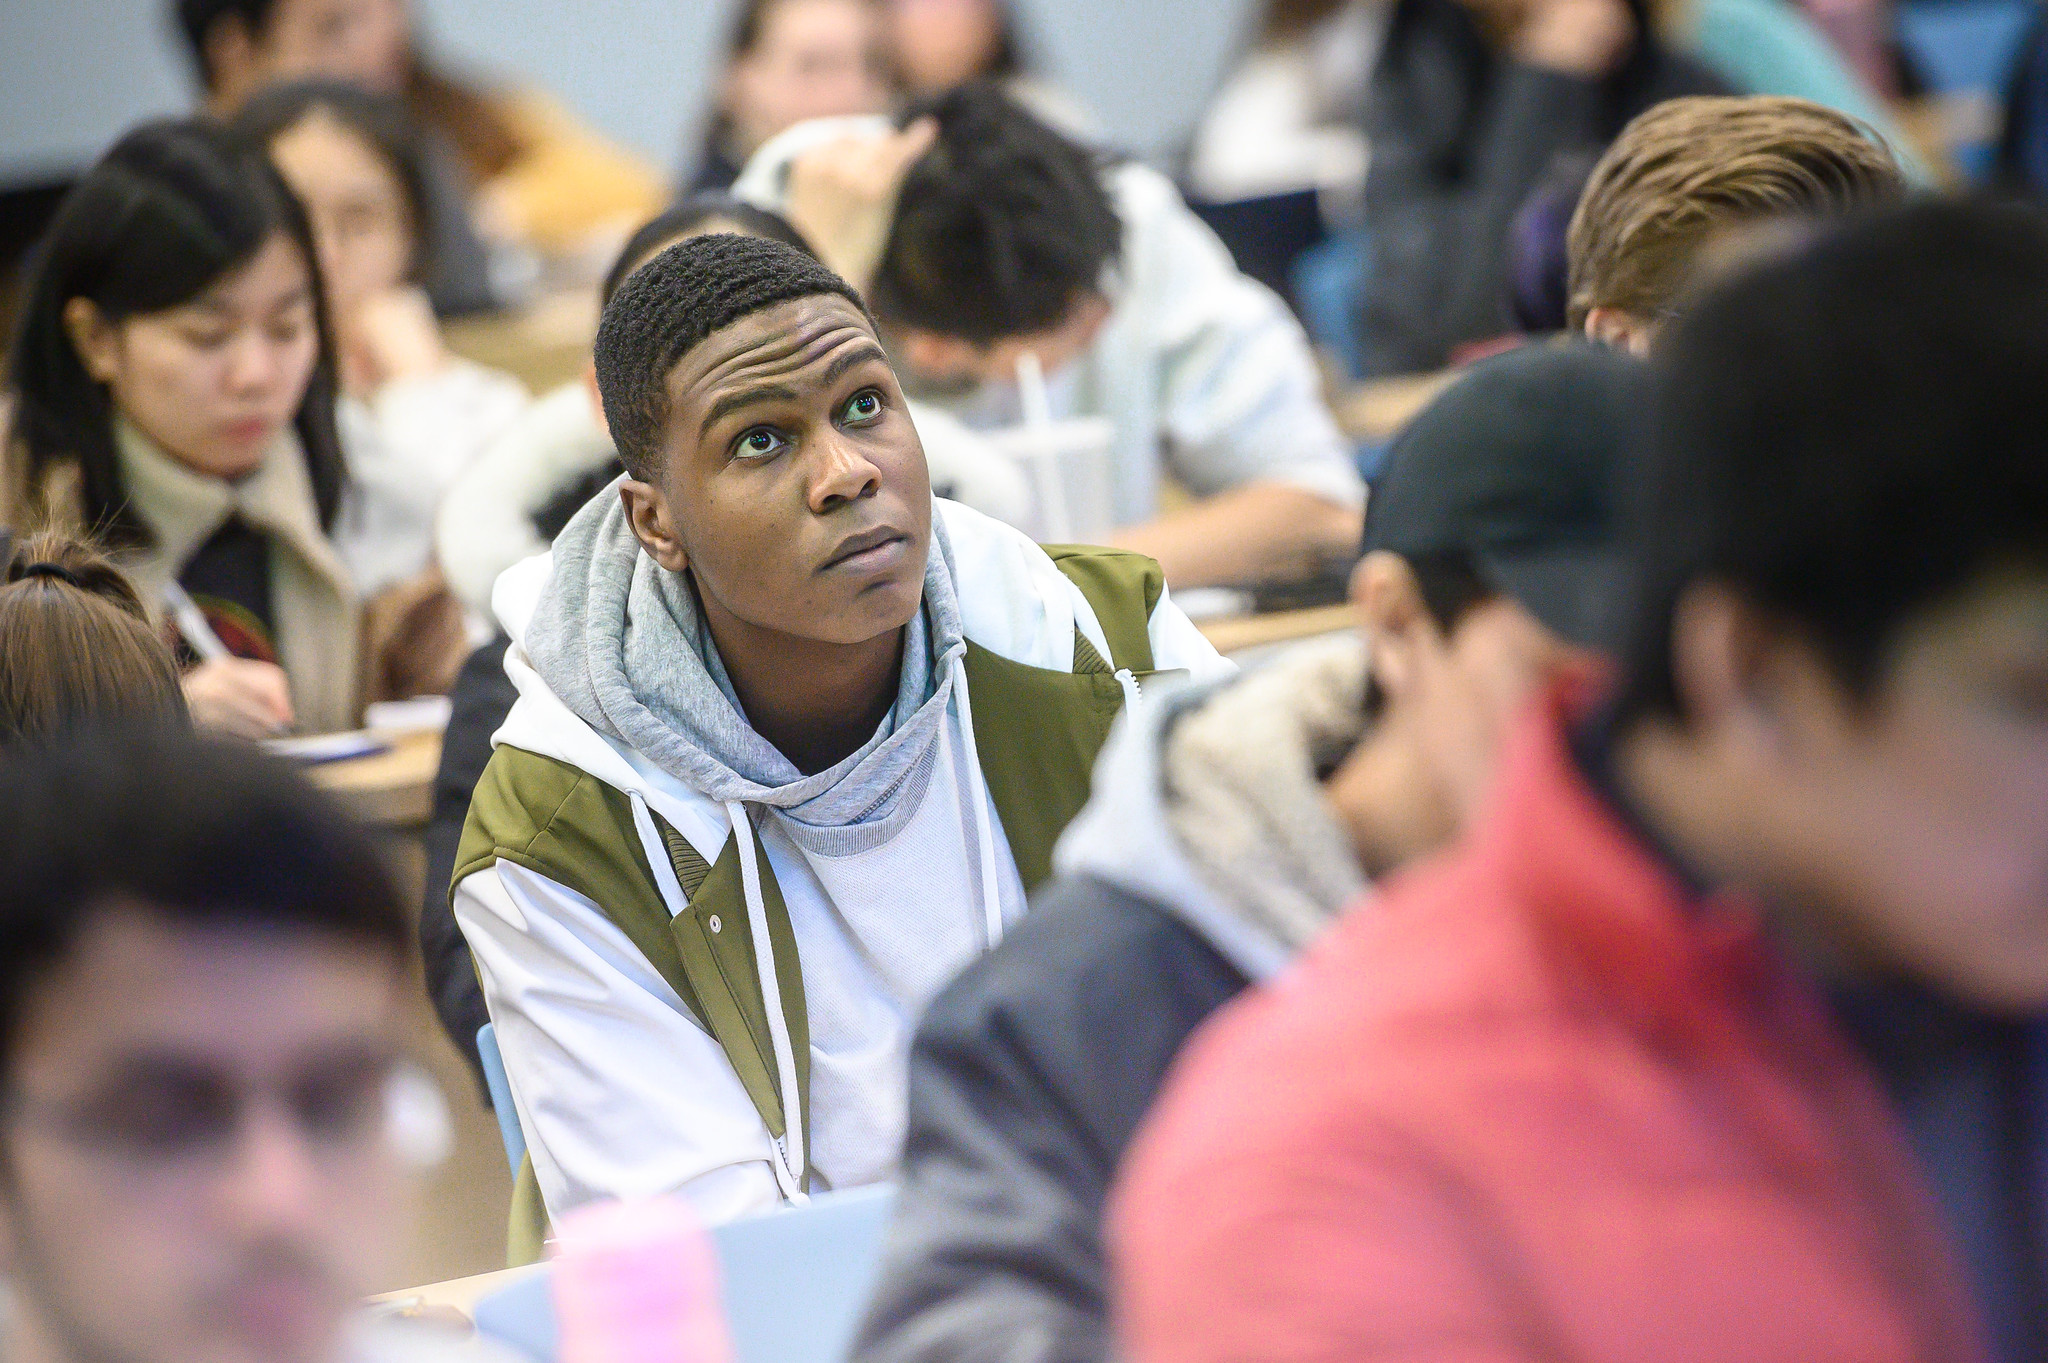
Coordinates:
(844,473)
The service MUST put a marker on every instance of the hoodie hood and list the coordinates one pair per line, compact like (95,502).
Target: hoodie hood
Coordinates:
(1208,802)
(623,646)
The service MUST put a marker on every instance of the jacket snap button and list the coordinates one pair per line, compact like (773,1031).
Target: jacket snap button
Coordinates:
(715,924)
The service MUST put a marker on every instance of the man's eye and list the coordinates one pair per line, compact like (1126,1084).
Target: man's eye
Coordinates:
(865,406)
(758,443)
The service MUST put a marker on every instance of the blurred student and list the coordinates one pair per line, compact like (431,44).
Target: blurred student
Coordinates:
(1229,826)
(209,1134)
(1685,178)
(412,416)
(981,236)
(76,646)
(1470,103)
(938,44)
(174,397)
(513,165)
(793,740)
(1290,114)
(791,60)
(1720,1036)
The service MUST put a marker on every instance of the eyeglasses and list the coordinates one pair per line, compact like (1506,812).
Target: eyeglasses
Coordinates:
(179,1120)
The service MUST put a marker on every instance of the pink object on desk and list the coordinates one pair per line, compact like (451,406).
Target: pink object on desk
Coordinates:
(637,1282)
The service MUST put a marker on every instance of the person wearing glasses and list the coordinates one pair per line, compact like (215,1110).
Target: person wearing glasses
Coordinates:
(208,1130)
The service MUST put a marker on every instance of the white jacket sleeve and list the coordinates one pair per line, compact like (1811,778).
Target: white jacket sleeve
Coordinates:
(1178,646)
(1239,394)
(619,1092)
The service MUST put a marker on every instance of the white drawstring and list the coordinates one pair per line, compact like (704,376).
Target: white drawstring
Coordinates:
(977,789)
(1134,694)
(794,1163)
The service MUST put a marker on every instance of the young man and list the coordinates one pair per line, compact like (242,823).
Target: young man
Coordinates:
(982,234)
(1227,828)
(1685,177)
(1719,1037)
(793,740)
(201,1004)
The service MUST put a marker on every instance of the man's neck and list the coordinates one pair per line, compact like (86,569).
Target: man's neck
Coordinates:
(817,702)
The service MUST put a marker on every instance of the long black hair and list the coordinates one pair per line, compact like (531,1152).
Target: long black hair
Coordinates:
(171,208)
(379,122)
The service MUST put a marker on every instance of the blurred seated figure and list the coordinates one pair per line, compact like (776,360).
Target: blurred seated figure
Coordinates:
(1686,179)
(1719,1034)
(938,44)
(1021,280)
(790,60)
(76,646)
(412,416)
(510,166)
(1280,154)
(213,1138)
(1470,103)
(174,393)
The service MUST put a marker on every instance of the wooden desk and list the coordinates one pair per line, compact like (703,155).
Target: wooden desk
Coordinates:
(1377,409)
(392,789)
(543,346)
(1240,632)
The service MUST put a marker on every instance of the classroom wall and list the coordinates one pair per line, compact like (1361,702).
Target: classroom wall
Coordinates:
(73,73)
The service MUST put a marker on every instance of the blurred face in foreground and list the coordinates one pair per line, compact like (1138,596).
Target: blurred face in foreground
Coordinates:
(1905,830)
(197,1157)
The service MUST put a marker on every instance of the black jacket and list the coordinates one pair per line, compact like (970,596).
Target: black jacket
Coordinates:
(1028,1078)
(1460,135)
(482,696)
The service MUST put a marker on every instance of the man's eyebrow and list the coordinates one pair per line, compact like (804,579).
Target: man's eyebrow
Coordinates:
(747,397)
(776,392)
(850,359)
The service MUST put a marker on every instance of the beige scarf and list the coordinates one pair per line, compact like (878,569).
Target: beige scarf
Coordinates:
(316,618)
(1244,798)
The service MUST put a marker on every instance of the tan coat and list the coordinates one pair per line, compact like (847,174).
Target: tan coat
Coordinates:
(317,620)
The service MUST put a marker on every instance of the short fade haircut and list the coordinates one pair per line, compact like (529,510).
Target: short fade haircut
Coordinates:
(196,831)
(1688,169)
(999,228)
(1850,435)
(668,306)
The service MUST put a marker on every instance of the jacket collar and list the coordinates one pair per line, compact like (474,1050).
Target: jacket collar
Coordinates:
(184,508)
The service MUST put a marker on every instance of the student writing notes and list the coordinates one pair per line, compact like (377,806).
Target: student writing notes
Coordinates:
(793,739)
(174,395)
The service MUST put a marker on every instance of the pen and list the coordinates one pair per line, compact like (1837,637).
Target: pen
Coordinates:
(192,626)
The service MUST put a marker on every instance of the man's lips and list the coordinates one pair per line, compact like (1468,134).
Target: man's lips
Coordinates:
(870,548)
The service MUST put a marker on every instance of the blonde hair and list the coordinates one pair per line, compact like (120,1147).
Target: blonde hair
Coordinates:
(1686,170)
(76,645)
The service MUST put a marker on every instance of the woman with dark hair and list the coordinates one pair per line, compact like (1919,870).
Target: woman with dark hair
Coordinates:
(174,388)
(789,61)
(76,646)
(413,416)
(519,167)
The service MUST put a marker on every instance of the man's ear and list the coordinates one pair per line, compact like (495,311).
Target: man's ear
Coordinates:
(647,513)
(94,338)
(1391,611)
(1727,667)
(1619,329)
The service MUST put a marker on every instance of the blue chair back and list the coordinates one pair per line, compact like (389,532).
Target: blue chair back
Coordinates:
(501,1096)
(795,1283)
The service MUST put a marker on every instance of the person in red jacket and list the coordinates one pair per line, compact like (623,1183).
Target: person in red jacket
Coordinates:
(1719,1037)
